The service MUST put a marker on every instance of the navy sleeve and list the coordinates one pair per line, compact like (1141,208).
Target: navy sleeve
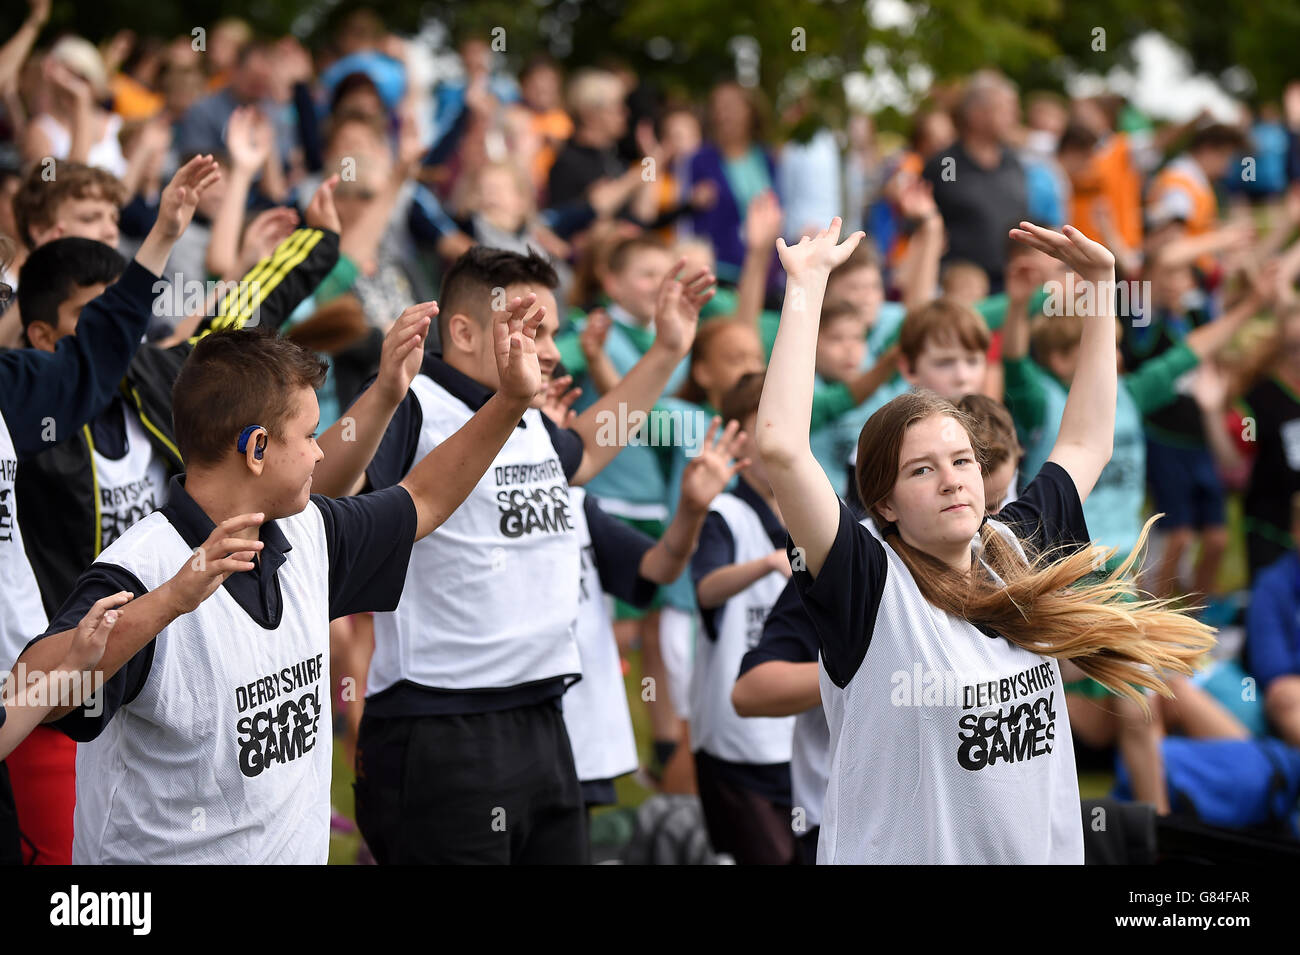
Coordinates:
(717,547)
(101,580)
(395,455)
(788,633)
(844,599)
(568,446)
(370,537)
(619,548)
(71,385)
(1049,515)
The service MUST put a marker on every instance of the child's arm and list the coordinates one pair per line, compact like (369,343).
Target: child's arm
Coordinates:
(224,552)
(44,396)
(921,264)
(718,586)
(1210,389)
(248,143)
(26,707)
(677,315)
(591,340)
(762,226)
(440,482)
(1023,390)
(352,441)
(777,688)
(1087,434)
(705,477)
(808,502)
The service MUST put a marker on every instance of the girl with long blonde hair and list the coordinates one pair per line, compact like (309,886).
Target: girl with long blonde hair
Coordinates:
(942,631)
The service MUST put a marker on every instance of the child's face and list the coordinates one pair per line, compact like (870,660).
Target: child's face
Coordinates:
(42,336)
(841,347)
(938,497)
(291,456)
(88,218)
(997,484)
(951,369)
(731,355)
(636,286)
(863,288)
(1170,285)
(499,198)
(541,89)
(681,134)
(548,355)
(967,286)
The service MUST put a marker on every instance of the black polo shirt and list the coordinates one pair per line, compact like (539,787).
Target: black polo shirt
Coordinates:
(393,461)
(979,206)
(368,540)
(617,550)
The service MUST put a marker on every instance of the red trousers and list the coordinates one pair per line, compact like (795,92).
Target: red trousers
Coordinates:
(43,774)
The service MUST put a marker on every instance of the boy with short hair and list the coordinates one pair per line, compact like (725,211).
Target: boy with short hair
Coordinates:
(463,754)
(69,199)
(201,713)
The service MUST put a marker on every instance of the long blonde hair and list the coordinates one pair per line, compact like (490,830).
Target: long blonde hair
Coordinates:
(1120,639)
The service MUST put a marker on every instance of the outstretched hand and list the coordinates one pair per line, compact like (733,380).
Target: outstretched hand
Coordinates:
(403,350)
(819,253)
(321,213)
(91,637)
(181,196)
(558,404)
(677,307)
(514,339)
(709,472)
(225,552)
(1091,260)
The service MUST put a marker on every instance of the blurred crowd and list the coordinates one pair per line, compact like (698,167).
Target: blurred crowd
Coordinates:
(617,185)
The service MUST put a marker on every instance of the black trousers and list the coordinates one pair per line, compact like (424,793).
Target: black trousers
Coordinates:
(481,788)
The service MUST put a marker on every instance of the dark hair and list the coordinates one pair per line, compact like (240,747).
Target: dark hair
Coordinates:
(1218,136)
(540,61)
(53,272)
(350,84)
(233,379)
(835,310)
(467,286)
(38,199)
(742,400)
(992,431)
(1076,136)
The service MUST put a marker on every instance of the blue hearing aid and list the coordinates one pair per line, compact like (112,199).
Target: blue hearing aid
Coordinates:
(247,433)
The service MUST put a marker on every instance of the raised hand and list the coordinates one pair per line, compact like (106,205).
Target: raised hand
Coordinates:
(321,213)
(268,229)
(248,139)
(763,221)
(1091,260)
(403,350)
(1210,386)
(817,254)
(558,404)
(514,340)
(709,472)
(224,553)
(677,307)
(916,199)
(181,196)
(592,337)
(91,638)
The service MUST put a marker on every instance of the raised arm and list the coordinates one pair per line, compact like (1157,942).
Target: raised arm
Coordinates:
(677,315)
(441,481)
(228,549)
(1087,434)
(762,226)
(705,477)
(248,142)
(352,441)
(808,503)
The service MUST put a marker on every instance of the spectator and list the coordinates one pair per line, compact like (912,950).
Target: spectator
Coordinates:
(74,126)
(1273,635)
(978,183)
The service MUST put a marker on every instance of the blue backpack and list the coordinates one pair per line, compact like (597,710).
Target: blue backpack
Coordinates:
(1239,784)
